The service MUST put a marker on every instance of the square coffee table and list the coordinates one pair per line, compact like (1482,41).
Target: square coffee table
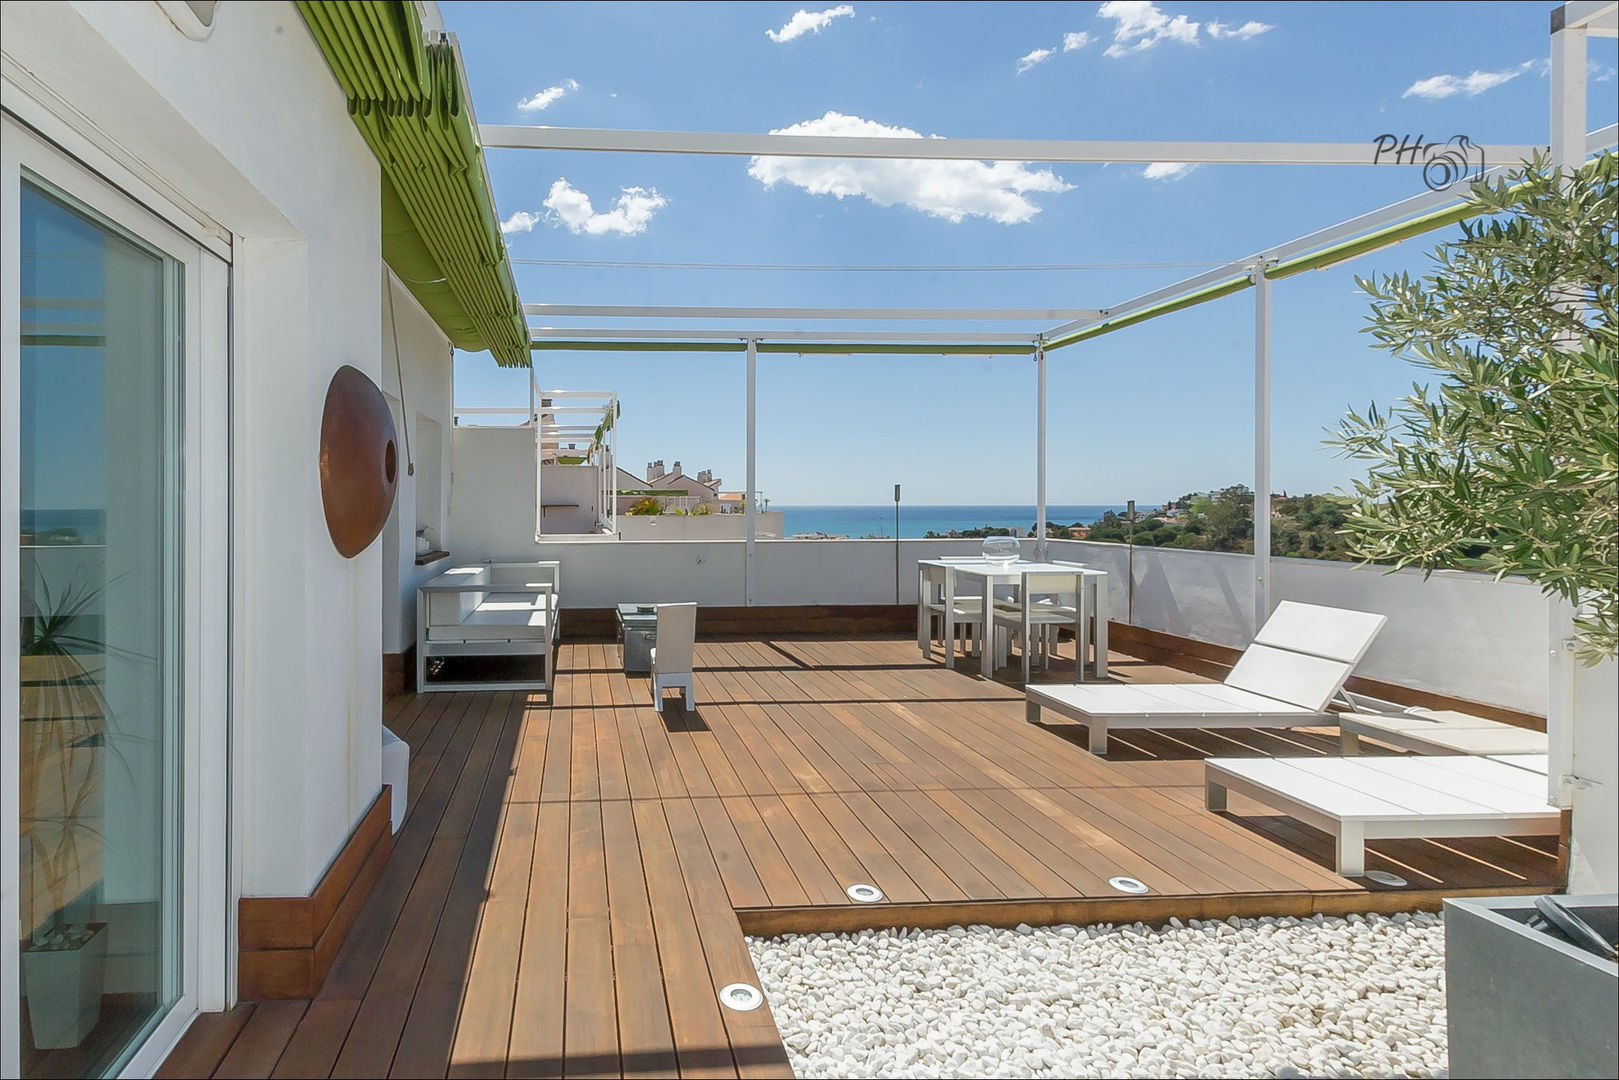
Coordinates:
(637,634)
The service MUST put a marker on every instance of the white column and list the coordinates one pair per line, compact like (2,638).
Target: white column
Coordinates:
(1261,447)
(749,499)
(1568,97)
(1568,152)
(1040,452)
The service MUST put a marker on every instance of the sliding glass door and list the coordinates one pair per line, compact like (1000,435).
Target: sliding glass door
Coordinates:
(100,735)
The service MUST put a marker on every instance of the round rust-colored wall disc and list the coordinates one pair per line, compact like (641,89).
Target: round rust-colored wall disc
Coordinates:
(359,461)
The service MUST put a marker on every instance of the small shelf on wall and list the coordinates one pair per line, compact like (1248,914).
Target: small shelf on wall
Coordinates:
(431,557)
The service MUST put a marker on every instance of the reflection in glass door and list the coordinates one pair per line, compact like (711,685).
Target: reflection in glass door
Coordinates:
(99,751)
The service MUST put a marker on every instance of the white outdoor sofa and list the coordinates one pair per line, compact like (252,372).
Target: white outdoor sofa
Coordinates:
(1298,661)
(489,609)
(1359,799)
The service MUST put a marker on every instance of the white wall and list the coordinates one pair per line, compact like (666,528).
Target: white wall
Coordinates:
(423,416)
(250,128)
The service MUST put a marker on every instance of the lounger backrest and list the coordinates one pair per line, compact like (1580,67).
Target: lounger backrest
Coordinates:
(677,628)
(1304,653)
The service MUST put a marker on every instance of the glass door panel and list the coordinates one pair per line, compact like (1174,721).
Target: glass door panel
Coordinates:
(99,748)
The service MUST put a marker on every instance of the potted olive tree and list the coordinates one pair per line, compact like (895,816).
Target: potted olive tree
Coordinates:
(1507,462)
(62,754)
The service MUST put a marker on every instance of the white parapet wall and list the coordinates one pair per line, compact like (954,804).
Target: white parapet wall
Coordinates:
(1461,634)
(698,526)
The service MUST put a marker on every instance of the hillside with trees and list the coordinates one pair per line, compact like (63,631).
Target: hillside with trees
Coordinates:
(1303,526)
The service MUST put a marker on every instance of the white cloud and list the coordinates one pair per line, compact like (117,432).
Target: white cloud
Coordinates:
(807,22)
(1598,73)
(1249,29)
(1024,63)
(549,96)
(953,190)
(1075,40)
(1444,86)
(1168,170)
(1141,25)
(570,208)
(522,221)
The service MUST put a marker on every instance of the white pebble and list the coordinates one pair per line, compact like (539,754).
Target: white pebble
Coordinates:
(1354,996)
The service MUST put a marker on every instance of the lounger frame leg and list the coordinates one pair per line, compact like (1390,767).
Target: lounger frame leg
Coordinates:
(1098,737)
(1349,743)
(1031,711)
(1351,849)
(1214,796)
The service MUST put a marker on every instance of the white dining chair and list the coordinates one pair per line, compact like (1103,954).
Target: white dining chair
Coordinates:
(671,656)
(940,605)
(1046,601)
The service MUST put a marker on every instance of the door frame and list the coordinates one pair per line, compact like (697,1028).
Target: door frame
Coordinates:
(207,894)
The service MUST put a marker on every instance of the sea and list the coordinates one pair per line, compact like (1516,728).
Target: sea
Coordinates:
(917,521)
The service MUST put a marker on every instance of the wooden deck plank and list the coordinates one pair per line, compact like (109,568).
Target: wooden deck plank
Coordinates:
(590,1023)
(536,1048)
(263,1039)
(205,1043)
(317,1040)
(646,1039)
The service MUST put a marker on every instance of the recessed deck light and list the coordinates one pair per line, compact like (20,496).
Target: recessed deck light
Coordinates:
(741,997)
(1383,877)
(864,894)
(1128,885)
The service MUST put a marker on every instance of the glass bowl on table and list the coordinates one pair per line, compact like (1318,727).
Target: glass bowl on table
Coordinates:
(1004,550)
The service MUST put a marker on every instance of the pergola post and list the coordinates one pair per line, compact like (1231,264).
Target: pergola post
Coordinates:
(1261,446)
(1040,451)
(751,496)
(1568,151)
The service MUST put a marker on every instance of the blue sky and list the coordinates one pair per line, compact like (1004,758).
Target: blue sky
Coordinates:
(1146,413)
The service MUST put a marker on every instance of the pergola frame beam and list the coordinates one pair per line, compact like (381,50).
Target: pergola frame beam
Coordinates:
(1088,151)
(630,311)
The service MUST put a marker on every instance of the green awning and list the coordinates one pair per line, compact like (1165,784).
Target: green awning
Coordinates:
(439,229)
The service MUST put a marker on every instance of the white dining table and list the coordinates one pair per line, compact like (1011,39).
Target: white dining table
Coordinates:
(1001,573)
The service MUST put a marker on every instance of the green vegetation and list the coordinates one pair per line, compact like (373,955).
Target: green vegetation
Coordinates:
(647,507)
(1509,463)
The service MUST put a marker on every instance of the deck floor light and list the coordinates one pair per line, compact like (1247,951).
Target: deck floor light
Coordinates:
(864,894)
(1128,885)
(1383,877)
(741,997)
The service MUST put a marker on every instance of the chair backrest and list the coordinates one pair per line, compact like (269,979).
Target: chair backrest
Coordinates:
(677,629)
(1305,652)
(1051,583)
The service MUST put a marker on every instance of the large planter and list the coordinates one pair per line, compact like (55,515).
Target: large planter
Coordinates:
(64,990)
(1523,1002)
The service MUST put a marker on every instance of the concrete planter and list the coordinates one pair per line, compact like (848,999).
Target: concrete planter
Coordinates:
(64,990)
(1524,1003)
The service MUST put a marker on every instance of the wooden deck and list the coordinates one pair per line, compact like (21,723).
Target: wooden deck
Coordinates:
(573,883)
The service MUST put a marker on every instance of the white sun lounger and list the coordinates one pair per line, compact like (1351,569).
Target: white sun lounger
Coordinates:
(1297,662)
(1360,799)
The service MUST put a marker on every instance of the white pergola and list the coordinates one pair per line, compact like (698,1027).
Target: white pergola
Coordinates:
(1569,145)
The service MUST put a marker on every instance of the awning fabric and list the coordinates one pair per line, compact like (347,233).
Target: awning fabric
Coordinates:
(440,233)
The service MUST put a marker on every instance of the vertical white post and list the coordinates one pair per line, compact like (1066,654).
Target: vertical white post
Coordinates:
(536,406)
(752,495)
(1040,451)
(1261,447)
(1568,94)
(1568,152)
